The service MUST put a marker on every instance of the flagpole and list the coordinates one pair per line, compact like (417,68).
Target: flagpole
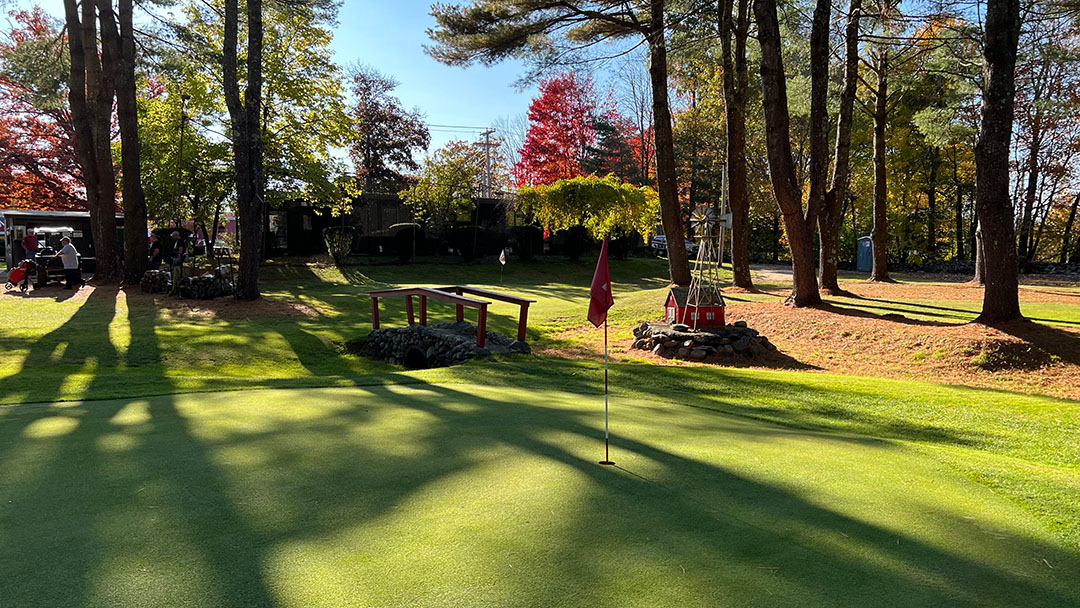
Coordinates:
(607,457)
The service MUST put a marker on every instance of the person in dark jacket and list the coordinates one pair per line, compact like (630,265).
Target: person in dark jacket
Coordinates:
(156,252)
(176,257)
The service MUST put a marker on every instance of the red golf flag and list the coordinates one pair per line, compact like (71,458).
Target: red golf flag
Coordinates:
(600,299)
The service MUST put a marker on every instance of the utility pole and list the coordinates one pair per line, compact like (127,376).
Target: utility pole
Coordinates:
(488,145)
(178,189)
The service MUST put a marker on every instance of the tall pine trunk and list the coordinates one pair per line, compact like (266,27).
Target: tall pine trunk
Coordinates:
(246,140)
(1066,236)
(832,209)
(90,96)
(782,172)
(122,46)
(1001,295)
(880,234)
(958,206)
(667,187)
(736,84)
(931,205)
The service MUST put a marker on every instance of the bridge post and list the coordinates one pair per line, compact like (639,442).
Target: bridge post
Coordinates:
(481,326)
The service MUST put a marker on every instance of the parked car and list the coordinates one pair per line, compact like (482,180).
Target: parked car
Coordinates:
(659,245)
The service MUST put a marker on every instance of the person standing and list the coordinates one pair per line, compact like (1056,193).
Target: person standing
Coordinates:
(30,245)
(176,254)
(70,257)
(156,252)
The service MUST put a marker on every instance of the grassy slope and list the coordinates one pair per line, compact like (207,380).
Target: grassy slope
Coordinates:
(434,495)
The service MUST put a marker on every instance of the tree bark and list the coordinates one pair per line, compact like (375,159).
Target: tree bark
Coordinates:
(831,214)
(666,181)
(1027,219)
(90,98)
(122,46)
(980,260)
(736,84)
(782,172)
(958,206)
(879,235)
(246,141)
(1066,237)
(931,205)
(1001,295)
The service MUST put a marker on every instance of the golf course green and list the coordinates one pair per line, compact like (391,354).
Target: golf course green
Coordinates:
(473,495)
(160,454)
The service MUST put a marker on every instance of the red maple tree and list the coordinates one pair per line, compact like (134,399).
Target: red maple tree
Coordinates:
(39,168)
(560,131)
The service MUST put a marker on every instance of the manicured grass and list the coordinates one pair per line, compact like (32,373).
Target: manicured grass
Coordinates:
(476,485)
(480,495)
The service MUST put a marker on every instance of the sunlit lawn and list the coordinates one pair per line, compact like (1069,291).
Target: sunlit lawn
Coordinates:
(462,494)
(477,485)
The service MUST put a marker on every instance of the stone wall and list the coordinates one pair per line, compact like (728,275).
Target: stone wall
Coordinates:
(711,345)
(421,346)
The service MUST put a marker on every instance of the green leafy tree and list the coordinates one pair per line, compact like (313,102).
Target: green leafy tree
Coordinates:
(603,205)
(448,184)
(488,31)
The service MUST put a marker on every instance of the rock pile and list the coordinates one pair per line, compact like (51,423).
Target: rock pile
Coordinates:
(205,287)
(422,346)
(208,286)
(156,281)
(711,344)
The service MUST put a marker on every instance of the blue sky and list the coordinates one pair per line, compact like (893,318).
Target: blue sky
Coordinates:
(390,36)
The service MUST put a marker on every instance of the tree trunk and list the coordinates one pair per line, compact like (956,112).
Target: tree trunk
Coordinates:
(832,209)
(670,212)
(879,235)
(1066,237)
(959,206)
(122,46)
(781,163)
(736,85)
(980,260)
(246,140)
(1027,219)
(1001,296)
(90,98)
(931,205)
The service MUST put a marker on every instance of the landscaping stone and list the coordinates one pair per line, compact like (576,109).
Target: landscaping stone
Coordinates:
(444,344)
(709,344)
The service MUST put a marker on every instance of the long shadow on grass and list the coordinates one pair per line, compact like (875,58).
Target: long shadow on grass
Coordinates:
(196,503)
(1062,344)
(113,503)
(891,316)
(794,404)
(710,516)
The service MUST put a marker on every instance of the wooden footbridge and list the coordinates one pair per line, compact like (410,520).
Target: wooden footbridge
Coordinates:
(458,295)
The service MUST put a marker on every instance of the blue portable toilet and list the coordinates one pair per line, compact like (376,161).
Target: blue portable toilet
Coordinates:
(864,259)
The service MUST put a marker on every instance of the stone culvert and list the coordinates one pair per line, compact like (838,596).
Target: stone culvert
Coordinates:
(423,346)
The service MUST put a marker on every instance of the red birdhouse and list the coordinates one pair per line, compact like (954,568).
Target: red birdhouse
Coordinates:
(709,310)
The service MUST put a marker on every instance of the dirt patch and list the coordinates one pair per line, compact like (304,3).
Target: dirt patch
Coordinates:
(1025,356)
(223,308)
(1022,356)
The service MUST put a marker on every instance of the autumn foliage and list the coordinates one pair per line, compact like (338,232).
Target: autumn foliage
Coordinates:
(560,131)
(38,165)
(571,133)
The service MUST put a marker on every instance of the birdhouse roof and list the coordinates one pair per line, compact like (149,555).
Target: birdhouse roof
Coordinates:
(709,297)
